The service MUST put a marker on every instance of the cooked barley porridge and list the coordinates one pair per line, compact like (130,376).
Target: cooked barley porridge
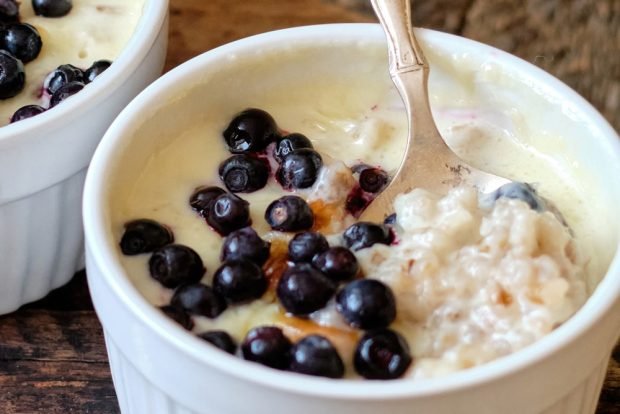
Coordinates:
(93,30)
(474,277)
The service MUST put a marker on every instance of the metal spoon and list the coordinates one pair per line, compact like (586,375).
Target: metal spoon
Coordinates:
(428,162)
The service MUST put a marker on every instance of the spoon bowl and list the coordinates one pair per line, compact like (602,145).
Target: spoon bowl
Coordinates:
(428,162)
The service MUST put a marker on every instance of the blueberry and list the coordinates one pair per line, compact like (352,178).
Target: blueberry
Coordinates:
(179,316)
(299,169)
(390,220)
(245,244)
(221,340)
(228,213)
(26,112)
(202,198)
(289,213)
(290,143)
(337,263)
(382,354)
(61,76)
(357,200)
(9,11)
(143,236)
(239,281)
(65,91)
(367,304)
(22,41)
(304,246)
(96,69)
(250,131)
(302,289)
(175,264)
(12,75)
(372,180)
(52,8)
(243,173)
(364,234)
(521,191)
(267,345)
(316,355)
(198,299)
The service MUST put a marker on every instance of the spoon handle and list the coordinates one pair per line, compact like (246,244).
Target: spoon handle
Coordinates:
(428,162)
(405,54)
(425,152)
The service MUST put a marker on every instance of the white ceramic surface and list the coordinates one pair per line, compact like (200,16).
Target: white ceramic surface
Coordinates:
(43,163)
(159,368)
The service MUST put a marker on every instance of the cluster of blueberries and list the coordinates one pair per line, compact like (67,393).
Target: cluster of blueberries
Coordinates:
(21,43)
(251,133)
(248,135)
(316,272)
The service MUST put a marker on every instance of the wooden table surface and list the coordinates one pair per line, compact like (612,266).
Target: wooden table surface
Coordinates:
(52,355)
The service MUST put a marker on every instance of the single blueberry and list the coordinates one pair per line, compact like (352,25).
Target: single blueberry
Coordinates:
(250,131)
(179,316)
(390,220)
(52,8)
(198,299)
(337,263)
(143,236)
(289,143)
(12,75)
(304,246)
(357,200)
(175,264)
(220,339)
(367,304)
(302,289)
(239,281)
(373,180)
(9,11)
(521,191)
(62,75)
(382,354)
(202,198)
(245,244)
(289,213)
(267,345)
(26,112)
(22,41)
(316,355)
(364,234)
(66,91)
(228,213)
(243,173)
(299,169)
(96,69)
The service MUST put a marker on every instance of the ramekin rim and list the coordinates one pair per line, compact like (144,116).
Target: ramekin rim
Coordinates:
(133,53)
(598,304)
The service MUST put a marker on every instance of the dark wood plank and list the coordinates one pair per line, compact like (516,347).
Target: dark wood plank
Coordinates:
(54,361)
(198,25)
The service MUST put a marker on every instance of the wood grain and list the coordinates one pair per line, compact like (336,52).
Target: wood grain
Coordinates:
(52,354)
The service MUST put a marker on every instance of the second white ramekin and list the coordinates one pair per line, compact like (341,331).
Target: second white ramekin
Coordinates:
(43,163)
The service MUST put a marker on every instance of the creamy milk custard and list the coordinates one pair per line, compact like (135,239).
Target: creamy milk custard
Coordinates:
(93,30)
(354,115)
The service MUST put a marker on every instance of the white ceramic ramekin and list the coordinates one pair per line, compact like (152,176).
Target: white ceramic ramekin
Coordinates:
(158,368)
(43,163)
